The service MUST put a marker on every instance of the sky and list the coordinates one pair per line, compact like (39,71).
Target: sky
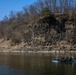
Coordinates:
(12,5)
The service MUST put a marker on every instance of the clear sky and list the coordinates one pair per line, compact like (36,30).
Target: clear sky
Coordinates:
(12,5)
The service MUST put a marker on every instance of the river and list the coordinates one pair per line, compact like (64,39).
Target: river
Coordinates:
(33,64)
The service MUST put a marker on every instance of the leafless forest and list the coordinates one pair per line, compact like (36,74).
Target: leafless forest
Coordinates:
(45,22)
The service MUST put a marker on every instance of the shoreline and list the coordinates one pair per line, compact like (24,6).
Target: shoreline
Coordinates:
(36,50)
(4,51)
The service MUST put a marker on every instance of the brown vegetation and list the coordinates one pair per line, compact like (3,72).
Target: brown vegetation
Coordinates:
(43,23)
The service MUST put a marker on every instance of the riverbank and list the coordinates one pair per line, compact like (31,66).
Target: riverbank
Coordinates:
(42,37)
(30,50)
(23,48)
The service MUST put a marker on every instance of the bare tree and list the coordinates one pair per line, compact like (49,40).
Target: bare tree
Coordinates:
(32,10)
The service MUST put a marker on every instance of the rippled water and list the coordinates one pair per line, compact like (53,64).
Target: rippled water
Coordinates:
(33,64)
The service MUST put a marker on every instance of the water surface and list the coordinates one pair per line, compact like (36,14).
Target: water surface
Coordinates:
(33,64)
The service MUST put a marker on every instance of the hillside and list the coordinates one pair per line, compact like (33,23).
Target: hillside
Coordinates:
(40,27)
(56,31)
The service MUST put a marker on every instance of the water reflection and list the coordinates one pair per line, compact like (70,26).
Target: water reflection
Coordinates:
(5,70)
(33,64)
